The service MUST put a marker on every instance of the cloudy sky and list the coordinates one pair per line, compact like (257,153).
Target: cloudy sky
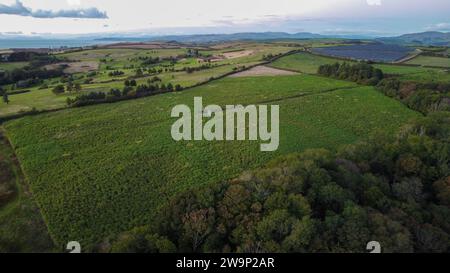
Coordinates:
(369,17)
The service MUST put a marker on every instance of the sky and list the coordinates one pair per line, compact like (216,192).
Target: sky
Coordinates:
(162,17)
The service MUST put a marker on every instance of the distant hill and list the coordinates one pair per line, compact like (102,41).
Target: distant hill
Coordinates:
(434,38)
(204,38)
(255,36)
(56,41)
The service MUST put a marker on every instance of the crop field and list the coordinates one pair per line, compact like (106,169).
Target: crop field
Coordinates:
(372,52)
(431,61)
(99,170)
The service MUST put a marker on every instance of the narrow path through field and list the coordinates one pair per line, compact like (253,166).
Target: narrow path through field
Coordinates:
(308,94)
(410,57)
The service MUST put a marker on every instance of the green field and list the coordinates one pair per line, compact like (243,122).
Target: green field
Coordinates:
(99,170)
(12,66)
(431,61)
(309,63)
(438,76)
(402,69)
(303,62)
(38,99)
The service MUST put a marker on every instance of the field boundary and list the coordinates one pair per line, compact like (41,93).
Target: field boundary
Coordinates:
(22,184)
(288,69)
(408,58)
(310,94)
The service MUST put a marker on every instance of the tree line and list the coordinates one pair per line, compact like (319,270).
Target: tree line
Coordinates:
(4,95)
(361,73)
(424,97)
(130,91)
(31,75)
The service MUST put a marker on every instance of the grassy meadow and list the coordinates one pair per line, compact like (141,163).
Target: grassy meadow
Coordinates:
(431,61)
(302,62)
(12,66)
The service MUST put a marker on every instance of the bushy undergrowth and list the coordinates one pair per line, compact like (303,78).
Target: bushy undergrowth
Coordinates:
(424,97)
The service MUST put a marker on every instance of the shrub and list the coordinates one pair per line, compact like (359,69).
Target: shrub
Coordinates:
(59,89)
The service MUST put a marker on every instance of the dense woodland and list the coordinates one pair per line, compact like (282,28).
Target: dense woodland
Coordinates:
(362,73)
(422,97)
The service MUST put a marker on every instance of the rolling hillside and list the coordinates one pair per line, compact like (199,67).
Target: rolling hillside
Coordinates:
(96,171)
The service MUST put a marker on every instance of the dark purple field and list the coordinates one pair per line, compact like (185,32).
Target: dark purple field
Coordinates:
(369,52)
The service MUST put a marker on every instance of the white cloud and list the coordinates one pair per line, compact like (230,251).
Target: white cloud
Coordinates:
(439,27)
(74,2)
(374,2)
(18,8)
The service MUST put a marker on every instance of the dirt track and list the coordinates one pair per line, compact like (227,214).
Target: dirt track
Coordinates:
(237,54)
(263,71)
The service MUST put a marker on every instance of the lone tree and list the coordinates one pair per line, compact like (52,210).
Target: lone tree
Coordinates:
(139,73)
(70,86)
(58,89)
(5,98)
(77,87)
(169,87)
